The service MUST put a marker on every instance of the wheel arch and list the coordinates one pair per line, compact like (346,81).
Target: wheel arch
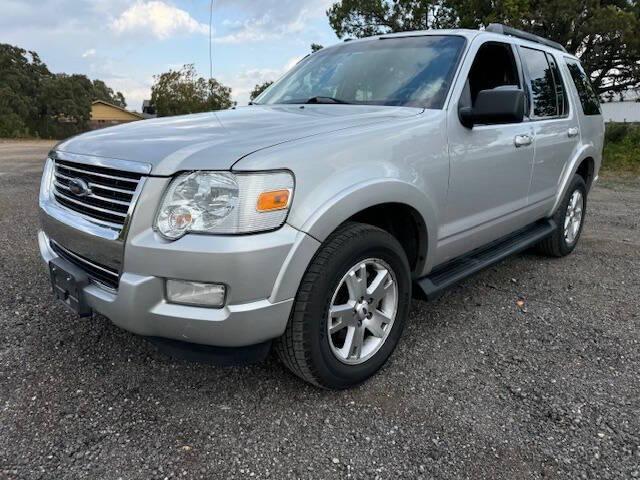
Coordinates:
(385,204)
(586,163)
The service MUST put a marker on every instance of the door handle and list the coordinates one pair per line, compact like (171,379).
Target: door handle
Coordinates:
(522,140)
(573,131)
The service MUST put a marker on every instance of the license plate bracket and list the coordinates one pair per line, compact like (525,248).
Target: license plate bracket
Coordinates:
(68,282)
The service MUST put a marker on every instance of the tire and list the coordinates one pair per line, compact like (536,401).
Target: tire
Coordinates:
(307,347)
(560,244)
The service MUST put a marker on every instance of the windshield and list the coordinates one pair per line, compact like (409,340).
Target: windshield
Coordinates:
(398,71)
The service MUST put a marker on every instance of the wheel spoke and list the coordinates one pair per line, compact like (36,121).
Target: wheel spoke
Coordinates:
(343,316)
(574,201)
(352,348)
(379,286)
(357,282)
(376,324)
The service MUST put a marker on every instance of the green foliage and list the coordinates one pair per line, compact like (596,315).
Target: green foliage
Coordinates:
(603,33)
(616,132)
(258,89)
(179,92)
(65,105)
(36,102)
(621,147)
(102,92)
(21,73)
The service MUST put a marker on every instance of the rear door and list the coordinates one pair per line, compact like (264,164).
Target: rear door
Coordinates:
(554,120)
(591,122)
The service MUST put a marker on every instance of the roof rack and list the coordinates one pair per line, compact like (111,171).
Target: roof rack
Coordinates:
(514,32)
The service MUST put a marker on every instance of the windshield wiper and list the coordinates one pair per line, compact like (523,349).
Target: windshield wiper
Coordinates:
(326,101)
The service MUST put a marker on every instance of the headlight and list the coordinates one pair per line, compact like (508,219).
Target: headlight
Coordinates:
(224,203)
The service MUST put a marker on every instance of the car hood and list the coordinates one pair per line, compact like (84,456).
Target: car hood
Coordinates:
(216,140)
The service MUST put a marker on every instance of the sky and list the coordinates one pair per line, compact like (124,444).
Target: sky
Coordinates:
(127,42)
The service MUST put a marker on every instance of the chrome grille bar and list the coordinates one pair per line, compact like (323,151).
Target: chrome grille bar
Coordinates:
(93,195)
(95,185)
(99,273)
(89,172)
(108,193)
(86,205)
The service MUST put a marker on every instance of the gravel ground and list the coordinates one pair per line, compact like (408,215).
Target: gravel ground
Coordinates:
(527,370)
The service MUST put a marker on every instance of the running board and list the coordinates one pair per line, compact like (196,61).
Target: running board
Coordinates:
(457,269)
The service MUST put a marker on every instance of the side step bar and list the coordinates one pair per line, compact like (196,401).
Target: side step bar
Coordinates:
(459,268)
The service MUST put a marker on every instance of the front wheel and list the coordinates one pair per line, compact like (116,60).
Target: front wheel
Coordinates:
(350,310)
(569,218)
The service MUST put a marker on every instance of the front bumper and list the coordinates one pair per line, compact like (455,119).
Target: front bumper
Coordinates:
(139,306)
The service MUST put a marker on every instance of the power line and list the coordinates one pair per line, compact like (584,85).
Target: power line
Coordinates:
(210,40)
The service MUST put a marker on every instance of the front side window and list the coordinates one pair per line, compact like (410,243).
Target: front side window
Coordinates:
(588,98)
(542,85)
(396,71)
(494,67)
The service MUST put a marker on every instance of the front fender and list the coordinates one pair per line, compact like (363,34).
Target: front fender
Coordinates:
(322,218)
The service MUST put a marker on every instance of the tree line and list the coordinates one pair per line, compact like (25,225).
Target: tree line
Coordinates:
(36,102)
(604,34)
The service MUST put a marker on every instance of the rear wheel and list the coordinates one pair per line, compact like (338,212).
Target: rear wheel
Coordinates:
(350,310)
(570,219)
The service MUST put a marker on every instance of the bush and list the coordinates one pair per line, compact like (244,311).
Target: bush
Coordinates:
(615,132)
(622,148)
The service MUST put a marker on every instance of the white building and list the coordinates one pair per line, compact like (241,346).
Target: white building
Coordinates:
(625,107)
(627,111)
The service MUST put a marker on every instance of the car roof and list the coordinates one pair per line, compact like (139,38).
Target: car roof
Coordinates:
(470,35)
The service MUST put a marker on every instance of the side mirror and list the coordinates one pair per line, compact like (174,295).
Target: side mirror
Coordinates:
(500,105)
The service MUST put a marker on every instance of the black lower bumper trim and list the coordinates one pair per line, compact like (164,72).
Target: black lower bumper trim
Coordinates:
(221,356)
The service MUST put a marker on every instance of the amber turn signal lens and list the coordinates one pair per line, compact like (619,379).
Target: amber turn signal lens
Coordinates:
(276,200)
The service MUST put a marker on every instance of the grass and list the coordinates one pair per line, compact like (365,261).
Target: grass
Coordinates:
(622,149)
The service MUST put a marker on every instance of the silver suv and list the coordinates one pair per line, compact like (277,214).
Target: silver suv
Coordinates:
(304,221)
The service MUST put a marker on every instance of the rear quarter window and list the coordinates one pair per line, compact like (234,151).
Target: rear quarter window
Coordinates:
(586,93)
(541,83)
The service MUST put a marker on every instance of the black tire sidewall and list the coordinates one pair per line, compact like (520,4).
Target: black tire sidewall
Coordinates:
(329,369)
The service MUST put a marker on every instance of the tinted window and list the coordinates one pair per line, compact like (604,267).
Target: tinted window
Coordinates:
(493,67)
(561,91)
(542,86)
(409,71)
(588,97)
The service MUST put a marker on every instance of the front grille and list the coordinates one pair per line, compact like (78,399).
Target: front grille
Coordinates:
(99,273)
(110,195)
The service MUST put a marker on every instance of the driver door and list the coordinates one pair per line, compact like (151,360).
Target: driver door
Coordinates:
(490,165)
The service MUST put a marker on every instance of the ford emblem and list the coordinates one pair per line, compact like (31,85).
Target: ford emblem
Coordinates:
(79,187)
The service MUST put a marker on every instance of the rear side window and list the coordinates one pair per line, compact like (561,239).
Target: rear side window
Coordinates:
(588,97)
(547,93)
(561,91)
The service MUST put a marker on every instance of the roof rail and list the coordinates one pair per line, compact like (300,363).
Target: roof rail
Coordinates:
(514,32)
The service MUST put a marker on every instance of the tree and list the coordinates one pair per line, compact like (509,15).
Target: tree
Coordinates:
(602,33)
(34,101)
(65,105)
(178,92)
(102,92)
(316,47)
(258,89)
(21,73)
